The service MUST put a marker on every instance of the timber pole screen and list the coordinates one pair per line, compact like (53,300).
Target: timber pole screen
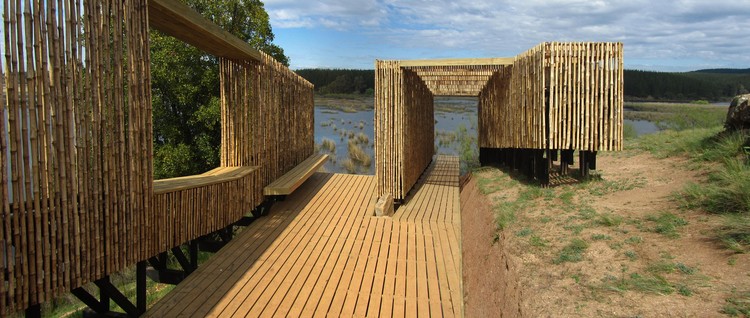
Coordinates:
(555,96)
(77,197)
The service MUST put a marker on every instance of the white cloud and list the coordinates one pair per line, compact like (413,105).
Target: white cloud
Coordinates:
(715,31)
(334,14)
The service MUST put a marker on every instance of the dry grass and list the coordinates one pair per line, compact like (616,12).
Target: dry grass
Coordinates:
(358,155)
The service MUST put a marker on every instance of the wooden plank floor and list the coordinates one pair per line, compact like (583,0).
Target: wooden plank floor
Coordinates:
(320,253)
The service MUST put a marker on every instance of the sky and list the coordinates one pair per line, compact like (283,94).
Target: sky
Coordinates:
(657,35)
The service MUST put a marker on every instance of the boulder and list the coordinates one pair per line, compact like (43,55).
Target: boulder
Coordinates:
(738,116)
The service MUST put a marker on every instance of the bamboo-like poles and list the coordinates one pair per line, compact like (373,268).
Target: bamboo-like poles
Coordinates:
(577,86)
(75,146)
(268,117)
(76,179)
(404,128)
(553,96)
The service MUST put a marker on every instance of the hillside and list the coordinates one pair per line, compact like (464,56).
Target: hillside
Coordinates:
(709,84)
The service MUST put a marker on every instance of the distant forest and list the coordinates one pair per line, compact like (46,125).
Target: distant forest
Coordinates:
(340,81)
(711,84)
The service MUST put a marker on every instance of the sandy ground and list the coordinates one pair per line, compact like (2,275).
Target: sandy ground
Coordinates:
(629,268)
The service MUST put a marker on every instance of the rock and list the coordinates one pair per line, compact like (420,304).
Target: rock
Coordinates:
(738,116)
(384,205)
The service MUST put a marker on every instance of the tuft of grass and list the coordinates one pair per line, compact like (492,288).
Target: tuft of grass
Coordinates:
(728,190)
(609,219)
(601,237)
(349,166)
(363,139)
(604,187)
(654,284)
(684,268)
(573,252)
(634,240)
(567,197)
(631,255)
(684,290)
(489,184)
(735,232)
(732,261)
(574,228)
(328,145)
(666,224)
(358,155)
(537,241)
(737,304)
(586,212)
(524,232)
(661,267)
(505,214)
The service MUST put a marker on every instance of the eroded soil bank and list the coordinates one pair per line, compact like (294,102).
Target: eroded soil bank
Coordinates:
(618,246)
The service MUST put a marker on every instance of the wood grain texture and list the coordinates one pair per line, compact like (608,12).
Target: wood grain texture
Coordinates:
(319,253)
(291,180)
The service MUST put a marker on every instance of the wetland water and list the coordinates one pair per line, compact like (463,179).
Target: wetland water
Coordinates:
(339,124)
(344,123)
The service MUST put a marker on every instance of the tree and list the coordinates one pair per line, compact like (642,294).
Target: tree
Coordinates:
(185,87)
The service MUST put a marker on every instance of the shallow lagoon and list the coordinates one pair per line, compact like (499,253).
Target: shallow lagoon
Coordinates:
(338,124)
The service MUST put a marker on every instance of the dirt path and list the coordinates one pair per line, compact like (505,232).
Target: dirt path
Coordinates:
(620,246)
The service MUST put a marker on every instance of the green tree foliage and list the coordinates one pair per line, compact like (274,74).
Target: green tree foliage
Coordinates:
(185,87)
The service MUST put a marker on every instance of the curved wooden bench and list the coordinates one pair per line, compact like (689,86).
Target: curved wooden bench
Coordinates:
(291,180)
(192,206)
(218,175)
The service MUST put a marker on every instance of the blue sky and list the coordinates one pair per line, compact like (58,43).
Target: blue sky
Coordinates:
(658,35)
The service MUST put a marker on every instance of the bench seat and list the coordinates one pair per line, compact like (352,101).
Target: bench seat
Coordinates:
(218,175)
(291,180)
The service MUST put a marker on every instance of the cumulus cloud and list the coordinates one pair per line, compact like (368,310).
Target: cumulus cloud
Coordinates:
(713,31)
(334,14)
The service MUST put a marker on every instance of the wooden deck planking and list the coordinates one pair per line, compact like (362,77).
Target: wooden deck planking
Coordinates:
(320,253)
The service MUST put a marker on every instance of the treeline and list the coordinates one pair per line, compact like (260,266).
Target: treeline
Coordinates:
(711,85)
(340,81)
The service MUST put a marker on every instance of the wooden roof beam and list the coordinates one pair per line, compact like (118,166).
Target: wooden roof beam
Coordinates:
(458,62)
(182,22)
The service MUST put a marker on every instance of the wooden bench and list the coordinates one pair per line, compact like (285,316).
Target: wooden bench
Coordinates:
(218,175)
(291,180)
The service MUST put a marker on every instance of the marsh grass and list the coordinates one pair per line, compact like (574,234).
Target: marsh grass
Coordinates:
(676,116)
(349,166)
(358,155)
(328,145)
(628,131)
(363,139)
(445,138)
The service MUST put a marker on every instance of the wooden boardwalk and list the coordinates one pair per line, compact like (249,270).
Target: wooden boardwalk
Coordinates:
(321,253)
